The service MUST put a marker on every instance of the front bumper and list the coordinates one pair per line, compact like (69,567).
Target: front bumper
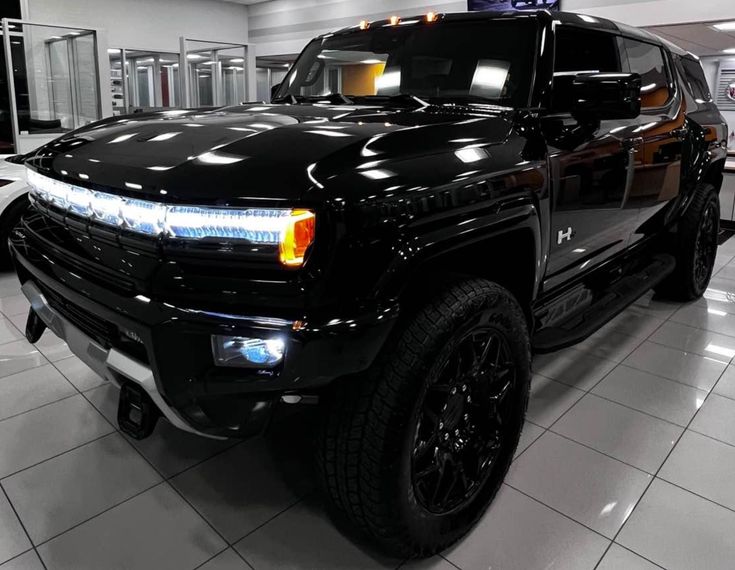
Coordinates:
(166,349)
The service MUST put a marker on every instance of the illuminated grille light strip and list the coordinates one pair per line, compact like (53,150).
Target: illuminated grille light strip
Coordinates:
(264,226)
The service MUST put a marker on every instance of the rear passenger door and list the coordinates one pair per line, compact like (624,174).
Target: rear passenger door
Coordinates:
(593,166)
(663,130)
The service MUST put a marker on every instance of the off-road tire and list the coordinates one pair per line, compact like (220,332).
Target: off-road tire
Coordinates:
(364,452)
(699,225)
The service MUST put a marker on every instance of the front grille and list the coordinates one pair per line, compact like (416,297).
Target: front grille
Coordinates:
(102,331)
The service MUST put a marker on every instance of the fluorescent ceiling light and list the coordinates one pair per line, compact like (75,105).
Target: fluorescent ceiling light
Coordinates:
(729,50)
(237,60)
(725,26)
(194,56)
(113,51)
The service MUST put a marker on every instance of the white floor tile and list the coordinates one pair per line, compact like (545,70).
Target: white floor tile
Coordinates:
(32,388)
(27,561)
(699,341)
(712,319)
(549,400)
(726,385)
(313,542)
(52,347)
(656,307)
(703,466)
(13,541)
(245,486)
(18,356)
(717,419)
(633,322)
(573,367)
(611,345)
(8,332)
(685,367)
(434,563)
(67,490)
(664,399)
(519,533)
(79,374)
(44,432)
(591,488)
(630,436)
(227,560)
(14,305)
(156,529)
(619,558)
(169,449)
(9,285)
(680,531)
(531,432)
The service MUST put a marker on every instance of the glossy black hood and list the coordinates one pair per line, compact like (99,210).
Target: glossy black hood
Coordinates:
(256,152)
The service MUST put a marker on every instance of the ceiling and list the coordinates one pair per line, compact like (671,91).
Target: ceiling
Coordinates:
(701,39)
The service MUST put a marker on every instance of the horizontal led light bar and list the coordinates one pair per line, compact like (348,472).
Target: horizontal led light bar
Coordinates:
(291,230)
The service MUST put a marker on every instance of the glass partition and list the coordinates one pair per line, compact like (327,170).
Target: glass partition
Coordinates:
(55,86)
(150,80)
(216,73)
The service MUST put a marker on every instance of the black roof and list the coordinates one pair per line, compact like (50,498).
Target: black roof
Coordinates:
(564,18)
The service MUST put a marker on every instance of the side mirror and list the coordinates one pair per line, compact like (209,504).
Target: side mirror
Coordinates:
(274,90)
(600,96)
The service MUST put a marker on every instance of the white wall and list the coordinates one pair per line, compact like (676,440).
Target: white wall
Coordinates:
(654,12)
(148,24)
(284,26)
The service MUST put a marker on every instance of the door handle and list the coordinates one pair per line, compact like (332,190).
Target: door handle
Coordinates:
(632,143)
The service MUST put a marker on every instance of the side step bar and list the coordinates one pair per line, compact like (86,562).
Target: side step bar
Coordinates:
(610,302)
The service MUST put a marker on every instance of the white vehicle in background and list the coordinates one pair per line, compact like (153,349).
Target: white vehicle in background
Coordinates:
(13,201)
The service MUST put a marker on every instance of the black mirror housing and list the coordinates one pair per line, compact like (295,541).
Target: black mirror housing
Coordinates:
(606,96)
(274,90)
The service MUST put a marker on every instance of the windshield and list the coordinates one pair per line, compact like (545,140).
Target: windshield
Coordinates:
(488,61)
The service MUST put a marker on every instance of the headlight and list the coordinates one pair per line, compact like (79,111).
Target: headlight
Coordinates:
(245,352)
(292,230)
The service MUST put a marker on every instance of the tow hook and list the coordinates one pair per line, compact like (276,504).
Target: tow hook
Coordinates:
(137,415)
(34,327)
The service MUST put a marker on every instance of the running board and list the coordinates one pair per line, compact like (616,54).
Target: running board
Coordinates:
(608,304)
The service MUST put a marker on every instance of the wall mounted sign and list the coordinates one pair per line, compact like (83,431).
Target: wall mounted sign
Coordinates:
(520,5)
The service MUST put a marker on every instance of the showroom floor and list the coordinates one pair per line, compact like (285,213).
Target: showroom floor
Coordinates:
(626,462)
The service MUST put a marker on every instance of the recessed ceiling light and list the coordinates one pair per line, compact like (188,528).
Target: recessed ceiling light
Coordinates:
(725,26)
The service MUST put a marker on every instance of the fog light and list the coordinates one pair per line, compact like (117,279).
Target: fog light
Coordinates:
(244,352)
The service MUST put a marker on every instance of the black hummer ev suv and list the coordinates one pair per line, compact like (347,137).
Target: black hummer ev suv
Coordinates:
(425,204)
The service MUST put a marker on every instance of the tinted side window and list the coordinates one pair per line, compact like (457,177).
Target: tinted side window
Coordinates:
(695,76)
(648,61)
(581,51)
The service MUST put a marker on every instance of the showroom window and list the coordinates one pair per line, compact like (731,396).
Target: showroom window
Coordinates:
(648,61)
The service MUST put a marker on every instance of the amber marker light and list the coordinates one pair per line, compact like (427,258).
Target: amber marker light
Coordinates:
(364,25)
(431,17)
(298,235)
(394,20)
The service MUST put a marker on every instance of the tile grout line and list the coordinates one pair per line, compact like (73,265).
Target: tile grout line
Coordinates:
(655,475)
(22,525)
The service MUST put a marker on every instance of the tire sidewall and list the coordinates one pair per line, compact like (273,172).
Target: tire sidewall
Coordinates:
(446,528)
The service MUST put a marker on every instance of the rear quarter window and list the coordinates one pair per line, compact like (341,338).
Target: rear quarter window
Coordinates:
(649,61)
(694,74)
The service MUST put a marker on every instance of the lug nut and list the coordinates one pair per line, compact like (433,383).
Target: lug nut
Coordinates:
(464,387)
(454,391)
(441,425)
(446,436)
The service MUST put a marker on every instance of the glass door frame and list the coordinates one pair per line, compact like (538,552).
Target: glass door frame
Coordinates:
(249,82)
(104,105)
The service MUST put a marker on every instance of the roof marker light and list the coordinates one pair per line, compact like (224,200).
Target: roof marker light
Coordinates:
(431,17)
(364,24)
(394,20)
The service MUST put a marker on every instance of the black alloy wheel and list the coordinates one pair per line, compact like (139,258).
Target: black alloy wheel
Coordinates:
(705,247)
(461,424)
